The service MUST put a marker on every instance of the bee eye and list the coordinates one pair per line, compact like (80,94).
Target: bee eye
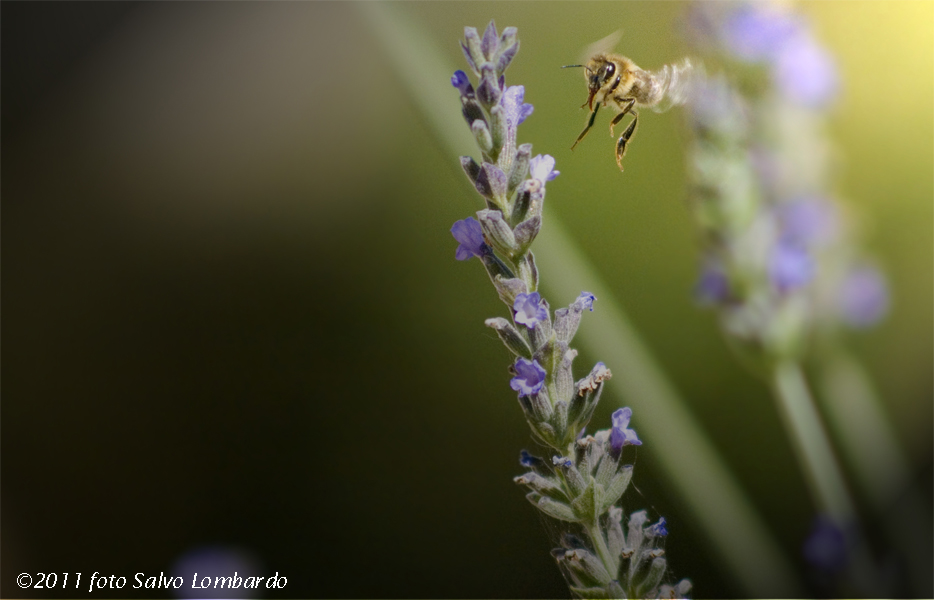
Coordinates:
(609,70)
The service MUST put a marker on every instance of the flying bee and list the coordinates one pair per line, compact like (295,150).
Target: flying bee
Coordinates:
(614,80)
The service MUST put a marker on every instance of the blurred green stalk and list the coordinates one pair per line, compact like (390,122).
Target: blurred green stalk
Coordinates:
(699,476)
(810,443)
(870,446)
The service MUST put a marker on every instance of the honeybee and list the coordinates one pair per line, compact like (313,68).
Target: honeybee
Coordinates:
(614,80)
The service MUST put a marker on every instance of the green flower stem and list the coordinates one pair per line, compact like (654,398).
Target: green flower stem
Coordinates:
(872,452)
(599,543)
(810,443)
(856,417)
(734,530)
(821,471)
(553,393)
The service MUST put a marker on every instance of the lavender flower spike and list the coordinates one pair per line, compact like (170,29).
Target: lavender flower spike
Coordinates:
(581,484)
(779,264)
(529,379)
(470,235)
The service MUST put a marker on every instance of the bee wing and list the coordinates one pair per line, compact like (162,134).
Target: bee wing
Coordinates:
(676,83)
(604,46)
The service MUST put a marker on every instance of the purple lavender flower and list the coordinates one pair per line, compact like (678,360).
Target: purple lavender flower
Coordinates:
(515,110)
(755,33)
(529,460)
(586,299)
(542,168)
(825,547)
(470,235)
(529,379)
(713,286)
(790,266)
(462,83)
(529,309)
(620,434)
(658,529)
(810,221)
(805,73)
(863,297)
(562,461)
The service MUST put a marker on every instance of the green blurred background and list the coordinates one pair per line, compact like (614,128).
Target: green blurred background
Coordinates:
(233,315)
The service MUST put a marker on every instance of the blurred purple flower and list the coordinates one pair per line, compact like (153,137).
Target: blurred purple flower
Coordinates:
(529,379)
(470,235)
(810,221)
(755,33)
(805,73)
(790,266)
(713,286)
(620,434)
(216,561)
(863,297)
(825,548)
(529,309)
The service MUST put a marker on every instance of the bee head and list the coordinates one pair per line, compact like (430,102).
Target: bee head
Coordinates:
(600,72)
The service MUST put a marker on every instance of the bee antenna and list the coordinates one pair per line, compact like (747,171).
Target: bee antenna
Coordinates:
(585,66)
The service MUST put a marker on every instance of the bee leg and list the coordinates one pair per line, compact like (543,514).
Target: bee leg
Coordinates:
(624,139)
(627,108)
(593,116)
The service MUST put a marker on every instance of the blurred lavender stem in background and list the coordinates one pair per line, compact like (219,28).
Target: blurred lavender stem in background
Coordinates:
(880,467)
(695,471)
(776,264)
(811,443)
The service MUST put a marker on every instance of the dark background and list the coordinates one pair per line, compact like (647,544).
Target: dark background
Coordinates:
(233,317)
